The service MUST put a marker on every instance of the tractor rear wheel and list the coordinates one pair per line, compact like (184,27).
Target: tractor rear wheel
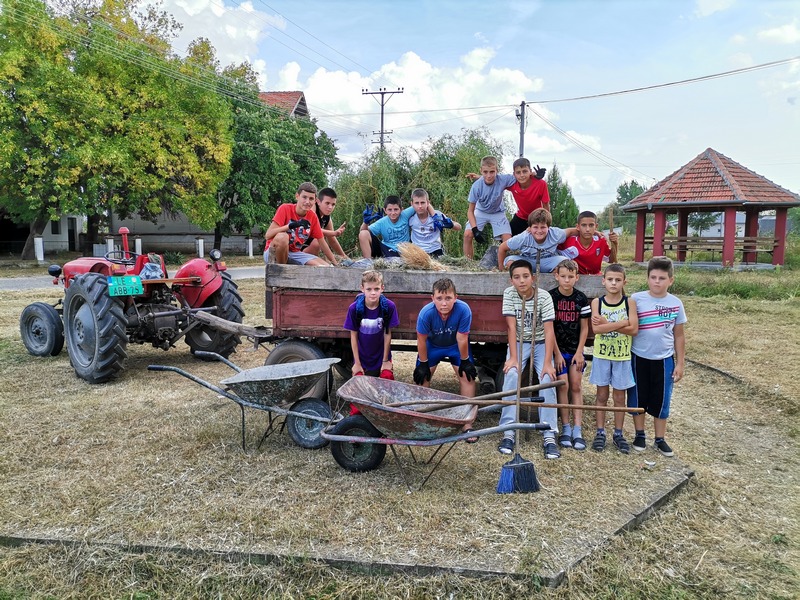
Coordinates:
(94,327)
(41,329)
(228,303)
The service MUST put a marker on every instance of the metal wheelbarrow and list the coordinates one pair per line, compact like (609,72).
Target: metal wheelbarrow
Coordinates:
(267,388)
(358,443)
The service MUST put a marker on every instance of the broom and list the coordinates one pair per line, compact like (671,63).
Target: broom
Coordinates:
(518,474)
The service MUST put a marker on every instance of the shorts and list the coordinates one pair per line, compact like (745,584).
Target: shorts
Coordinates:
(437,354)
(518,225)
(568,360)
(295,258)
(653,389)
(498,221)
(616,373)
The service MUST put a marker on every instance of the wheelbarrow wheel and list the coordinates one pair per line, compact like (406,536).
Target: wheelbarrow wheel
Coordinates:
(306,432)
(357,456)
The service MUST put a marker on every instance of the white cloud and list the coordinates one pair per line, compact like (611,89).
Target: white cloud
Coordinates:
(738,39)
(785,34)
(705,8)
(741,60)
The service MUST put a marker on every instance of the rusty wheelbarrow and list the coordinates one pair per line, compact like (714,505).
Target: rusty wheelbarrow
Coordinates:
(359,442)
(272,388)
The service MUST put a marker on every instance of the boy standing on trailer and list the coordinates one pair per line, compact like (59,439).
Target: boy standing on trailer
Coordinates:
(292,226)
(614,323)
(523,285)
(590,249)
(571,325)
(443,334)
(658,353)
(529,191)
(486,206)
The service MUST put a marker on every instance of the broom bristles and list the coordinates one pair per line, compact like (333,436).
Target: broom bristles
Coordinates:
(518,476)
(416,258)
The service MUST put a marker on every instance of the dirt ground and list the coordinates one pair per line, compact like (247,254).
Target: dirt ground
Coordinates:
(152,459)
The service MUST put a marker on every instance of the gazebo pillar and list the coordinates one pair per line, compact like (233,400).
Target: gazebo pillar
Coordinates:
(641,221)
(683,230)
(729,237)
(659,226)
(780,236)
(750,230)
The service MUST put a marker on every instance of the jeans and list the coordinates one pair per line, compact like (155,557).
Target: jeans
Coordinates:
(546,415)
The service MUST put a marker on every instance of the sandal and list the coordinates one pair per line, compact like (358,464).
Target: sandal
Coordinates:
(579,443)
(565,440)
(471,440)
(599,443)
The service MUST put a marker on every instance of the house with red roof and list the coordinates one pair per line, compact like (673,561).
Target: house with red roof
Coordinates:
(292,103)
(712,182)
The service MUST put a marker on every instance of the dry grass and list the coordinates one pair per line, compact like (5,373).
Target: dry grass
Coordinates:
(154,459)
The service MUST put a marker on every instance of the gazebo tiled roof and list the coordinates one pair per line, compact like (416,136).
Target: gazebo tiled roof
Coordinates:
(293,103)
(713,180)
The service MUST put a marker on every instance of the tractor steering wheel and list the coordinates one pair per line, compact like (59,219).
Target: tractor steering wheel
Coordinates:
(122,257)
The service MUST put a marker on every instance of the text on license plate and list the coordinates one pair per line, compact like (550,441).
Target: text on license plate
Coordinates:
(127,285)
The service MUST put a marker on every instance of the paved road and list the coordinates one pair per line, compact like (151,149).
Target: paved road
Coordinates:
(45,281)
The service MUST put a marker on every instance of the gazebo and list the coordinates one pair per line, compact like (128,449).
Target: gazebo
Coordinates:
(712,182)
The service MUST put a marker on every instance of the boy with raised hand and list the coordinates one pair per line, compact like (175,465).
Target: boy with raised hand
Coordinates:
(443,334)
(529,191)
(536,330)
(291,227)
(571,326)
(658,353)
(427,224)
(369,320)
(590,249)
(326,202)
(539,242)
(486,205)
(614,322)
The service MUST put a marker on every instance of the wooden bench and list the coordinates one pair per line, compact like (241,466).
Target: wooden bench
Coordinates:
(715,244)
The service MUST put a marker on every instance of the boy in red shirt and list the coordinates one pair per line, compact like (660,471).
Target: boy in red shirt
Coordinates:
(529,191)
(292,226)
(590,249)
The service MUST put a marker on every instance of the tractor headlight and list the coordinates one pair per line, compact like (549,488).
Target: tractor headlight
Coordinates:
(215,254)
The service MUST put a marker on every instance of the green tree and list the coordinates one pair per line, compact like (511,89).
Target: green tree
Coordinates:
(563,208)
(702,221)
(626,192)
(95,115)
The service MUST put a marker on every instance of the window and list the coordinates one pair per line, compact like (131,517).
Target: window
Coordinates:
(55,227)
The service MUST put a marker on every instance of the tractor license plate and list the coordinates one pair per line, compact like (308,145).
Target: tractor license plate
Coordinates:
(127,285)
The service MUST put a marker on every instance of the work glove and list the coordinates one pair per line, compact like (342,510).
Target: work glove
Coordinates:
(539,172)
(441,222)
(371,214)
(467,369)
(477,235)
(422,373)
(301,223)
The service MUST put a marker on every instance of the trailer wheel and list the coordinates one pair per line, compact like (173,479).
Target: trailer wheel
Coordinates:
(41,329)
(291,351)
(357,457)
(306,432)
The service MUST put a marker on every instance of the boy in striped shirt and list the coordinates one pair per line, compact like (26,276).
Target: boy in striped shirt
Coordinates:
(658,352)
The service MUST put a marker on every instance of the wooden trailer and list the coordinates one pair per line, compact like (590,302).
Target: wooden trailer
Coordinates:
(307,307)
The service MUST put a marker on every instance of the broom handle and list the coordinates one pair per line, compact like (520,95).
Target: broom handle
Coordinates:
(492,396)
(439,405)
(519,367)
(535,320)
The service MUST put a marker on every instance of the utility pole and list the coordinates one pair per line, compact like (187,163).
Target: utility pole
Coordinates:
(385,95)
(521,119)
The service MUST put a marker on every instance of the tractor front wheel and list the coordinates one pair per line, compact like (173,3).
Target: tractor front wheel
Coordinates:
(94,327)
(41,329)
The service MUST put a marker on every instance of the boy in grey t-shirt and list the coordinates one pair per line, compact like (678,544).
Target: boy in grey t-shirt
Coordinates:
(426,229)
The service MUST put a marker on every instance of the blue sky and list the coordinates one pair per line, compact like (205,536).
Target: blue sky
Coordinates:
(469,55)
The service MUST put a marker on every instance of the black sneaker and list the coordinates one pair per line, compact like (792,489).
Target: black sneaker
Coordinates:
(622,444)
(639,443)
(506,446)
(599,443)
(551,451)
(663,447)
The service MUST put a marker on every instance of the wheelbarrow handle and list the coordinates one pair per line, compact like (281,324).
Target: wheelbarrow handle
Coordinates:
(197,380)
(219,357)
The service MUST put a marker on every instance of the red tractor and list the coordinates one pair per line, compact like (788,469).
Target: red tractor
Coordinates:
(127,298)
